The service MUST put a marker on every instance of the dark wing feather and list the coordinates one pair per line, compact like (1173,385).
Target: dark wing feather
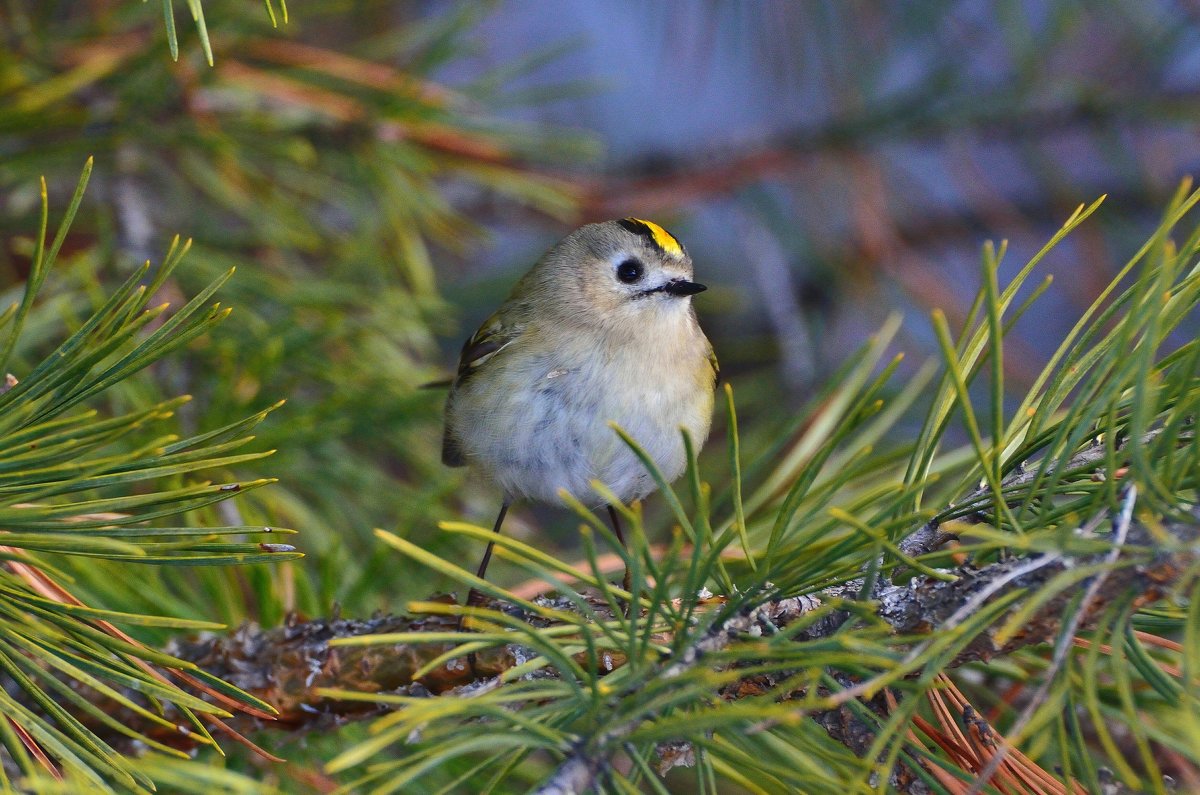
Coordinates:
(493,336)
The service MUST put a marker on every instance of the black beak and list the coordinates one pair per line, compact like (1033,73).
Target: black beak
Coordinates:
(683,287)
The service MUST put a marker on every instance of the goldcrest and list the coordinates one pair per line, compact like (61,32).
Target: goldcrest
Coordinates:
(600,331)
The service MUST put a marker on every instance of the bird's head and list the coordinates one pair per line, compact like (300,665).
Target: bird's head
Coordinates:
(624,271)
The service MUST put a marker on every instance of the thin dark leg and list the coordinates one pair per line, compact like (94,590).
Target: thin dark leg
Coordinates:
(616,526)
(473,596)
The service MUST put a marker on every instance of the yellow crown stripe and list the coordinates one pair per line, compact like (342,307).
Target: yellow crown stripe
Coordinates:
(665,240)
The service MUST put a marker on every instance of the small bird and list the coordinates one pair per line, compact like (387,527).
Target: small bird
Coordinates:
(601,330)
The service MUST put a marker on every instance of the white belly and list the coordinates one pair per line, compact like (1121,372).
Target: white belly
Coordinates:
(542,427)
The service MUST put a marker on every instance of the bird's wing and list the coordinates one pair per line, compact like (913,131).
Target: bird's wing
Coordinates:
(715,365)
(486,342)
(497,333)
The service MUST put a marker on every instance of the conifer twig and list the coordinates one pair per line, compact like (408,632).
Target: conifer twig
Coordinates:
(1065,636)
(291,666)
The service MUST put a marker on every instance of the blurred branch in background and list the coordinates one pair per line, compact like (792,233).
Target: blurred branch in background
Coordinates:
(778,291)
(666,184)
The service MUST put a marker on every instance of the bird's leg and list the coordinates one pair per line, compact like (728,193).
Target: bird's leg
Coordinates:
(473,596)
(616,526)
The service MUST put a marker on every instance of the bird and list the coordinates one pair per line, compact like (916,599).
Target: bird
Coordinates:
(600,331)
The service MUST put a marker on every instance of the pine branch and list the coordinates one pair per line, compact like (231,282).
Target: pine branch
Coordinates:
(928,606)
(291,666)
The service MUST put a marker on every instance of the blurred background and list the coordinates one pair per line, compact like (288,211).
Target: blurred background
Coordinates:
(380,173)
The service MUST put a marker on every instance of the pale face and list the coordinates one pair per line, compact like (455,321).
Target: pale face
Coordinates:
(642,273)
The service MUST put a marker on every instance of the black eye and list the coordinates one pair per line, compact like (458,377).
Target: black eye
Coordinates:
(630,271)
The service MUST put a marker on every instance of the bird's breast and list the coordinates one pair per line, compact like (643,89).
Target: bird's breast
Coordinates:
(546,426)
